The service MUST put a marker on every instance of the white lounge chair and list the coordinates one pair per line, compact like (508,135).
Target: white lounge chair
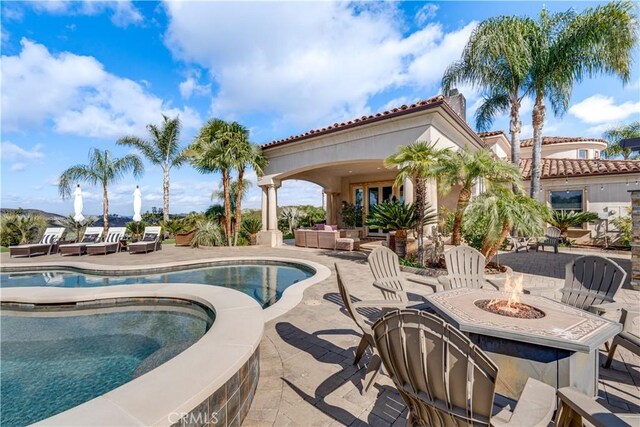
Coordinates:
(91,235)
(150,241)
(48,241)
(111,242)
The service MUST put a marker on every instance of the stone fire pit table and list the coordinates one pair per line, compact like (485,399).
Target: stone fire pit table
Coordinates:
(559,349)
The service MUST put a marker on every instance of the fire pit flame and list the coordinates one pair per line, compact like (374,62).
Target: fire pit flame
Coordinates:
(511,305)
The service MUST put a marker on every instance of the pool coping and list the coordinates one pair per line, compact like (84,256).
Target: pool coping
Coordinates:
(165,394)
(291,297)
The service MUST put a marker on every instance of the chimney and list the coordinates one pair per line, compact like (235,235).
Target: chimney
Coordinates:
(458,103)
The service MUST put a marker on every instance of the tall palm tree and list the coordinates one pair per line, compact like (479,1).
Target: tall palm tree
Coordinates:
(465,169)
(497,60)
(617,134)
(416,162)
(163,149)
(505,210)
(211,152)
(569,46)
(102,169)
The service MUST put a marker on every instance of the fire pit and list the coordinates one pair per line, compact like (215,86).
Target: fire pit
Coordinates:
(530,336)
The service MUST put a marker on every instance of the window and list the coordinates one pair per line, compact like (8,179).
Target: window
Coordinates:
(567,200)
(583,154)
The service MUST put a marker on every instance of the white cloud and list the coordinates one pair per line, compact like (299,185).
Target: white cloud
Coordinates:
(123,12)
(602,109)
(77,95)
(10,151)
(426,12)
(191,87)
(307,63)
(18,167)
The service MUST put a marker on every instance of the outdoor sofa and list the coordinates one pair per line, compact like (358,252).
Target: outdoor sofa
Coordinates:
(150,241)
(91,235)
(325,237)
(46,245)
(111,242)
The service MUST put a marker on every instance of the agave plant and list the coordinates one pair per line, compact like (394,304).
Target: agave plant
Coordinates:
(251,226)
(565,219)
(173,226)
(208,233)
(23,227)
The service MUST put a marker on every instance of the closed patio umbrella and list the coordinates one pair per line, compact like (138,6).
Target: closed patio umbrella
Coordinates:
(137,204)
(78,205)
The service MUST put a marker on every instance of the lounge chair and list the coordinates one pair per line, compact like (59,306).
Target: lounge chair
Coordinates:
(91,235)
(46,245)
(362,322)
(628,338)
(465,269)
(446,380)
(575,408)
(385,267)
(111,242)
(149,243)
(551,238)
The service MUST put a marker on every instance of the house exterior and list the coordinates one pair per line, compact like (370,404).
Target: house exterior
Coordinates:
(346,160)
(575,177)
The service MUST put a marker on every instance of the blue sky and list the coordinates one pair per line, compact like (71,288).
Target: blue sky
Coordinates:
(78,75)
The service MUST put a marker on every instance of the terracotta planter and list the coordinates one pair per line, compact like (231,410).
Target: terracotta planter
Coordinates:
(401,243)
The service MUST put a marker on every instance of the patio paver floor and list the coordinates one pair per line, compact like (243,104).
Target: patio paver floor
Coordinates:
(307,375)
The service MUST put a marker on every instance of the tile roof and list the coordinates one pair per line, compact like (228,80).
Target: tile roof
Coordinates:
(548,140)
(394,112)
(491,133)
(561,168)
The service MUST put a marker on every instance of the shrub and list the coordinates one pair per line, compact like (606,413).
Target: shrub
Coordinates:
(563,219)
(624,225)
(173,226)
(351,215)
(22,228)
(208,233)
(135,229)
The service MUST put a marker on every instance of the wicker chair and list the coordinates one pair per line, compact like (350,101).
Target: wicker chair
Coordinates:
(446,380)
(363,323)
(46,246)
(91,235)
(465,269)
(111,242)
(551,238)
(149,243)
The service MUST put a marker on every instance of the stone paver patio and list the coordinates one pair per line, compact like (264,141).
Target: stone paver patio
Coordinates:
(307,376)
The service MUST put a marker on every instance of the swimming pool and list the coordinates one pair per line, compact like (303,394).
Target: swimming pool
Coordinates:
(264,281)
(54,359)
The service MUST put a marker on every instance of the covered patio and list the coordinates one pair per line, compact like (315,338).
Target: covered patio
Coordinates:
(347,159)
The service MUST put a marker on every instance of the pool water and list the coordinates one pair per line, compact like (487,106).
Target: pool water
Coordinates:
(53,361)
(264,282)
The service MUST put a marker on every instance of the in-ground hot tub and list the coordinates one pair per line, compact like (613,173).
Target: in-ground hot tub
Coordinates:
(560,347)
(210,381)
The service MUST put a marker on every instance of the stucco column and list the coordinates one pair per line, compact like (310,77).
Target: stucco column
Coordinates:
(265,198)
(432,194)
(407,191)
(329,206)
(273,208)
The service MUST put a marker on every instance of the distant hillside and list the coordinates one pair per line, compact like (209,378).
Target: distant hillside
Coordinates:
(50,217)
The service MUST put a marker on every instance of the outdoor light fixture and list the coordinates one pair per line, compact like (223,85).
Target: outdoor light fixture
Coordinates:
(601,187)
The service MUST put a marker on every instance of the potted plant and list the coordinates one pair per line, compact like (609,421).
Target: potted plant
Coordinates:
(564,220)
(394,216)
(251,226)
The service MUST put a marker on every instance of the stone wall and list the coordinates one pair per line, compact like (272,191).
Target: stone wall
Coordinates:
(635,239)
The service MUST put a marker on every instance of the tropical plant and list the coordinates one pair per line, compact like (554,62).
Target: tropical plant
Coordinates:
(251,226)
(78,227)
(624,225)
(135,229)
(351,215)
(564,219)
(215,212)
(290,215)
(153,217)
(312,215)
(616,134)
(503,210)
(191,218)
(465,169)
(208,233)
(21,228)
(163,149)
(568,46)
(103,170)
(173,226)
(416,162)
(496,60)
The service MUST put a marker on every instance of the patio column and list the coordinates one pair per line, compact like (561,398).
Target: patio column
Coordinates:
(407,190)
(265,198)
(330,215)
(432,193)
(273,208)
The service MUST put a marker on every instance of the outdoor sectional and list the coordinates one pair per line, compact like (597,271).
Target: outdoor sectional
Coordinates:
(322,239)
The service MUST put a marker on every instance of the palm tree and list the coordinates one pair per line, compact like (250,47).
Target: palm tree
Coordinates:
(70,223)
(503,210)
(163,149)
(497,60)
(466,169)
(104,170)
(416,162)
(617,134)
(173,226)
(565,219)
(569,46)
(291,215)
(23,226)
